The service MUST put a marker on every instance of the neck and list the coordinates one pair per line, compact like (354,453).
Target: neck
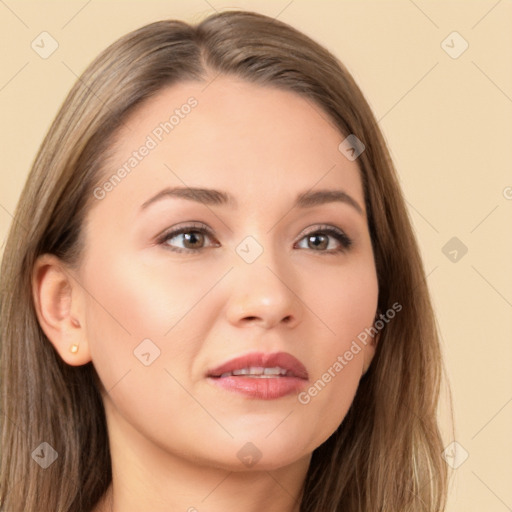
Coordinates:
(206,489)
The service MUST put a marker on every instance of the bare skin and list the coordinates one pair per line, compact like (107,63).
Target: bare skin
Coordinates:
(175,435)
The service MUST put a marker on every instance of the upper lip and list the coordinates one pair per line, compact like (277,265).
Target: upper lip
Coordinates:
(282,360)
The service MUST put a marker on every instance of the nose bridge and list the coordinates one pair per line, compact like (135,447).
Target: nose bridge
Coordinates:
(261,289)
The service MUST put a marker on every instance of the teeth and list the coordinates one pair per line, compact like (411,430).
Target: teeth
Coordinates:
(253,370)
(272,371)
(257,371)
(243,371)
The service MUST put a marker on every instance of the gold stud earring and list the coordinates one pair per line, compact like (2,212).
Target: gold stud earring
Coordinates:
(74,348)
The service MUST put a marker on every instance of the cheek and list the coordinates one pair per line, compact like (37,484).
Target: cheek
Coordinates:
(345,312)
(136,309)
(344,301)
(143,300)
(144,338)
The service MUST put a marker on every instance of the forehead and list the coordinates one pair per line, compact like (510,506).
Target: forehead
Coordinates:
(229,134)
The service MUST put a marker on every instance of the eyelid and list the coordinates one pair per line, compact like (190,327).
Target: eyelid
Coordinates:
(191,225)
(322,227)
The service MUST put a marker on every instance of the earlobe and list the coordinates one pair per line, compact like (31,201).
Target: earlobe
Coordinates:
(57,303)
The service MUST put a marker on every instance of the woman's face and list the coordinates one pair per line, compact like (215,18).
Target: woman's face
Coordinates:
(258,282)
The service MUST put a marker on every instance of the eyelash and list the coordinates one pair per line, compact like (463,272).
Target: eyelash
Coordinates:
(340,236)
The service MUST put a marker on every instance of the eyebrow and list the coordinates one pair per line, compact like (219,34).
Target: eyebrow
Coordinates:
(214,197)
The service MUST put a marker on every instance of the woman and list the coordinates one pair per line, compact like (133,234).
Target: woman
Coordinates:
(211,294)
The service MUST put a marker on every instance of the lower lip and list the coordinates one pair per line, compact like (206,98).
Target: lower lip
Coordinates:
(261,388)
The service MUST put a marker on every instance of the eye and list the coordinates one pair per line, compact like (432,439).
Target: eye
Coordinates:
(192,237)
(318,240)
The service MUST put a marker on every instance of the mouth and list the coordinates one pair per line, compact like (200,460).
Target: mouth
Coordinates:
(261,375)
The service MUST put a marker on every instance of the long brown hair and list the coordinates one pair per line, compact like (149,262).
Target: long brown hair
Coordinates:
(386,454)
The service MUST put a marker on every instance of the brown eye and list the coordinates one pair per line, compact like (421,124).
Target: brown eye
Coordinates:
(187,238)
(193,239)
(319,240)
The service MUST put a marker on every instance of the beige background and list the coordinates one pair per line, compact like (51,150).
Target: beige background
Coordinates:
(448,123)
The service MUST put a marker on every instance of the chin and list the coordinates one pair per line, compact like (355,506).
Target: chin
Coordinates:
(264,452)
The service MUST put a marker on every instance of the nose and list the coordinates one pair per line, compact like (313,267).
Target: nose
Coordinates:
(262,294)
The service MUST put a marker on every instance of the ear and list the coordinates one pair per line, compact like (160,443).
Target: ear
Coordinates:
(369,352)
(59,305)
